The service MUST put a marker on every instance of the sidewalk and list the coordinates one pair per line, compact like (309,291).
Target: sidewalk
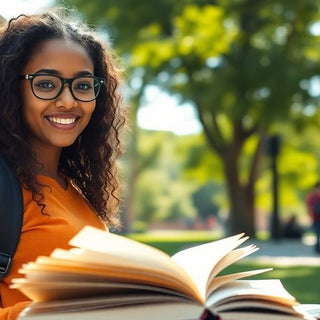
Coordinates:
(287,252)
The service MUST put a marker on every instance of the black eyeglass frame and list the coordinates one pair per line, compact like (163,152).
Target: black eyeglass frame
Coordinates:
(64,81)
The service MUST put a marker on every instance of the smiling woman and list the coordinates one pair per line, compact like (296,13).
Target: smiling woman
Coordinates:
(60,121)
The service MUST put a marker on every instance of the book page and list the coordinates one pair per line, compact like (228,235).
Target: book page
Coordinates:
(112,258)
(156,311)
(256,315)
(133,252)
(221,280)
(199,261)
(47,269)
(257,304)
(310,309)
(119,246)
(63,289)
(270,290)
(99,302)
(230,258)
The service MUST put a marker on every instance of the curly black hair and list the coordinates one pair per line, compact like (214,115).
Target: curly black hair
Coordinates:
(90,162)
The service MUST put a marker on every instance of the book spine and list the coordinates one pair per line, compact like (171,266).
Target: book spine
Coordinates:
(207,315)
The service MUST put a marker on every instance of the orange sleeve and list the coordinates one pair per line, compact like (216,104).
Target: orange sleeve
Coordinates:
(12,313)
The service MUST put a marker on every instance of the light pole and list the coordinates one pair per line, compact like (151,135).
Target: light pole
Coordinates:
(274,142)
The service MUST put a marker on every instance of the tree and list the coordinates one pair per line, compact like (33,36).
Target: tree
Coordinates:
(203,201)
(243,64)
(161,193)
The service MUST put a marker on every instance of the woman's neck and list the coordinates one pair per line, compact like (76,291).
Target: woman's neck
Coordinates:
(47,163)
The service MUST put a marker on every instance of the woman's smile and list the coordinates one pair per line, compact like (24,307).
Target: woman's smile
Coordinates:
(63,121)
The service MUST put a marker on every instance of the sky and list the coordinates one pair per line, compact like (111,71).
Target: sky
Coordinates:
(12,8)
(160,111)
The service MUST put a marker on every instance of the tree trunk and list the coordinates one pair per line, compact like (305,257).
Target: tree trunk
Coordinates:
(242,195)
(241,215)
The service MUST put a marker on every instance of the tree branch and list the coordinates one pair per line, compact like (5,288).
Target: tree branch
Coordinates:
(213,132)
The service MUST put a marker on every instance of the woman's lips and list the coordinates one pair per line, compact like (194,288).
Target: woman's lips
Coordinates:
(65,122)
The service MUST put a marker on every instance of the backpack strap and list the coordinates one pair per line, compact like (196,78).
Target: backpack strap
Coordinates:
(11,215)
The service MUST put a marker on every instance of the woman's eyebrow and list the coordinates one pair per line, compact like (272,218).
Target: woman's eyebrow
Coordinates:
(84,73)
(51,71)
(55,72)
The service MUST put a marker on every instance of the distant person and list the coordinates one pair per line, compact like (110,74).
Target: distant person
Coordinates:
(313,204)
(292,229)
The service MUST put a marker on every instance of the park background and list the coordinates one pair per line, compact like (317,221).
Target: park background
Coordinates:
(250,73)
(223,106)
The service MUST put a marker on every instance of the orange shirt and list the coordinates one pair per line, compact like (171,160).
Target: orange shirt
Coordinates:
(67,212)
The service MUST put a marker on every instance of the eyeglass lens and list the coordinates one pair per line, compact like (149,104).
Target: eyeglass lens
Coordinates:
(50,87)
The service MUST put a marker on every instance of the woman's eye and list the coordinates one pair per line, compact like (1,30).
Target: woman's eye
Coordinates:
(45,85)
(83,86)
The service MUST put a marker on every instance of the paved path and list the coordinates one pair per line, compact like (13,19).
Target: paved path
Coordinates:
(286,252)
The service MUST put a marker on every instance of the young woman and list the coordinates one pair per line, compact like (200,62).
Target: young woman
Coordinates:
(60,116)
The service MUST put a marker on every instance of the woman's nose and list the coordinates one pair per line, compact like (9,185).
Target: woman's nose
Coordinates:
(66,98)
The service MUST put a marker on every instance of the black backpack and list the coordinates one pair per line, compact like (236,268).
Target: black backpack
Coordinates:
(11,215)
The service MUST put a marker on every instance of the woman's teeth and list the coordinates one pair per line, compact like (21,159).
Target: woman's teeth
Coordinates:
(62,120)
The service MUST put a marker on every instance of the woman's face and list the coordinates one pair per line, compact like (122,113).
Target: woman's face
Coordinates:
(58,122)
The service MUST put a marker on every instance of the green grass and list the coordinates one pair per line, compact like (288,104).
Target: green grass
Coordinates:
(174,241)
(303,282)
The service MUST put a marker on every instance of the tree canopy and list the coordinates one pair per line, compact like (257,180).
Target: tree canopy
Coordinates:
(245,65)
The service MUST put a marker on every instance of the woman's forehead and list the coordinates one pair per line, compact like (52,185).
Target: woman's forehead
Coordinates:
(63,55)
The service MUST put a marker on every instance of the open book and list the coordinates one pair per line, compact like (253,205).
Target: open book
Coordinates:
(107,276)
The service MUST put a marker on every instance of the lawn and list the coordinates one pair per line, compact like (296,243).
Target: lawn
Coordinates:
(303,282)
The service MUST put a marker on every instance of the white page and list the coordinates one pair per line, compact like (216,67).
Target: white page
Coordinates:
(199,261)
(125,249)
(104,242)
(272,288)
(93,239)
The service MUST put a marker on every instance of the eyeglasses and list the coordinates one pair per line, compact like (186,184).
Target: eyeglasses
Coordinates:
(49,87)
